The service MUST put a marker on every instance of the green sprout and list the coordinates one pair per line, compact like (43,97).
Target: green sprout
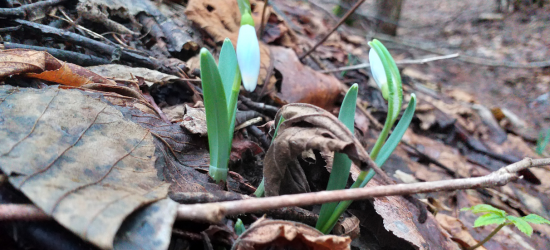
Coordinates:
(499,217)
(386,75)
(221,85)
(542,142)
(339,176)
(239,227)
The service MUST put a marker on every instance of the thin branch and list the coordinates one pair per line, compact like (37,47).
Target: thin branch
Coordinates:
(21,212)
(333,29)
(215,212)
(22,11)
(402,62)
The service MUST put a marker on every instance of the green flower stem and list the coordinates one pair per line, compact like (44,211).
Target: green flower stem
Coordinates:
(488,236)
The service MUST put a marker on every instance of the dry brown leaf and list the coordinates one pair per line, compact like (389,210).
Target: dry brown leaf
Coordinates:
(194,120)
(123,72)
(455,227)
(288,234)
(302,84)
(350,226)
(42,65)
(306,127)
(77,159)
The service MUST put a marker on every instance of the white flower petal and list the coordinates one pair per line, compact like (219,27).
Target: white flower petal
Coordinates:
(377,68)
(248,56)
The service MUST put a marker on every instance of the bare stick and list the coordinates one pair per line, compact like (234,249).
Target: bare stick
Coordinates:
(21,212)
(334,29)
(402,62)
(214,212)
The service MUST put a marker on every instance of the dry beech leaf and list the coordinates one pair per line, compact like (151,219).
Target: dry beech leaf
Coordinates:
(42,65)
(301,83)
(78,159)
(306,127)
(288,234)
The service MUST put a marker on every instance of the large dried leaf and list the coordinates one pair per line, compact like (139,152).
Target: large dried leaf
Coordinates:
(301,83)
(306,127)
(288,234)
(77,159)
(123,72)
(42,65)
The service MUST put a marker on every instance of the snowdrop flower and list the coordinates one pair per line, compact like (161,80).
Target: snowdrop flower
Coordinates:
(378,72)
(248,53)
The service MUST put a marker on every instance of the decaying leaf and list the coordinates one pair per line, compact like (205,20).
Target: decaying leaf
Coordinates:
(265,232)
(123,72)
(77,159)
(194,120)
(300,83)
(42,65)
(306,127)
(457,229)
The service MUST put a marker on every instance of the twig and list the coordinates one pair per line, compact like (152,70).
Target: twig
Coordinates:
(63,55)
(468,59)
(262,25)
(333,29)
(215,212)
(402,62)
(22,11)
(88,43)
(21,212)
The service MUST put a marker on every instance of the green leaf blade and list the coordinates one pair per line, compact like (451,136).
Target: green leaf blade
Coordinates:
(227,67)
(341,163)
(488,219)
(216,117)
(244,6)
(484,208)
(535,219)
(521,224)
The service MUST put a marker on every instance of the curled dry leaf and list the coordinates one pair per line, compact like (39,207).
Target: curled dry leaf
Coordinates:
(42,65)
(77,159)
(265,232)
(307,127)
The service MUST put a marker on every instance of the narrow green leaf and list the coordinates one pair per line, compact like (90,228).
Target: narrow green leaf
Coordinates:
(227,66)
(239,227)
(341,163)
(536,219)
(216,117)
(398,132)
(244,6)
(484,208)
(521,224)
(542,142)
(488,219)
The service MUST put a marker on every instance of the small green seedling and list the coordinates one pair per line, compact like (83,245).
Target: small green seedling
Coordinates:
(239,227)
(495,216)
(542,142)
(221,85)
(386,75)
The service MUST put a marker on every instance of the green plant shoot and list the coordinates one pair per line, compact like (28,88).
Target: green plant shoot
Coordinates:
(261,188)
(495,216)
(542,141)
(220,84)
(386,75)
(341,163)
(239,227)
